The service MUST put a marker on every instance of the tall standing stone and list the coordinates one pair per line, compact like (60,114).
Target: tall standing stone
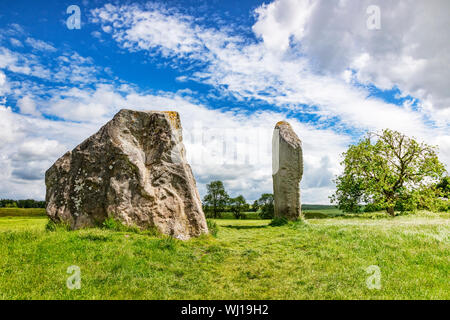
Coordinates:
(133,170)
(287,171)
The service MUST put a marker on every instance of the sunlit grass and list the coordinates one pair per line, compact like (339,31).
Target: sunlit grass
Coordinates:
(316,259)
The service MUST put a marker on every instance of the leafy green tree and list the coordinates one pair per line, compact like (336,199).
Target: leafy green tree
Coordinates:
(11,205)
(443,187)
(216,198)
(28,203)
(255,206)
(388,170)
(266,205)
(238,206)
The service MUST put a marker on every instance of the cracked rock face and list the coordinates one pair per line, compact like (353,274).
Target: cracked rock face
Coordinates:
(287,171)
(134,170)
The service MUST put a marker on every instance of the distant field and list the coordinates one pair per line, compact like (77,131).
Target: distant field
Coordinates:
(22,212)
(317,259)
(310,211)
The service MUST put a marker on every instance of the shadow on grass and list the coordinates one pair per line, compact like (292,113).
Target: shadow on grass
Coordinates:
(245,227)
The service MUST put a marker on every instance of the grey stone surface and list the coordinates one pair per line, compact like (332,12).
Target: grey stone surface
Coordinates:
(287,171)
(134,170)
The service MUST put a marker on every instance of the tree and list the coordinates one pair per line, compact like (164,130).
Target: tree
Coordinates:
(444,187)
(238,206)
(28,203)
(255,206)
(11,205)
(388,170)
(216,199)
(266,205)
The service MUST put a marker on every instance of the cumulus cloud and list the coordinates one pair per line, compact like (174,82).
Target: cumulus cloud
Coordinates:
(279,21)
(310,58)
(319,65)
(9,132)
(27,106)
(301,61)
(28,146)
(4,85)
(227,145)
(25,64)
(69,67)
(408,51)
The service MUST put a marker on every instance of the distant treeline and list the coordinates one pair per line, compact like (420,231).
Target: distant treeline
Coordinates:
(28,203)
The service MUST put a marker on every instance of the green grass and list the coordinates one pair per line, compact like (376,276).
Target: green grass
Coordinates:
(309,211)
(247,215)
(322,213)
(20,212)
(317,259)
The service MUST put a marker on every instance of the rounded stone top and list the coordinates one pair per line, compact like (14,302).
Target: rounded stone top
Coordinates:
(172,116)
(287,134)
(281,123)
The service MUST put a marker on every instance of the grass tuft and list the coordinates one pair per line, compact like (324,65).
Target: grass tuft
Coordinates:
(166,243)
(212,227)
(52,226)
(116,225)
(278,222)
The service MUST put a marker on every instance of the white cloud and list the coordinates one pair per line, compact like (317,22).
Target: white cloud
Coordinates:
(16,42)
(319,43)
(213,138)
(409,51)
(27,106)
(9,131)
(278,21)
(4,85)
(69,67)
(154,28)
(22,64)
(96,34)
(284,76)
(297,64)
(28,146)
(40,45)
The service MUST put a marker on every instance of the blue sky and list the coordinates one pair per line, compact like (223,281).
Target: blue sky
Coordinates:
(232,69)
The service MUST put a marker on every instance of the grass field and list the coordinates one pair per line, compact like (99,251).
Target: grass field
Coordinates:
(319,259)
(310,212)
(19,212)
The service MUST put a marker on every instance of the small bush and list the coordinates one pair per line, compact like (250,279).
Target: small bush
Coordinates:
(212,227)
(50,226)
(276,222)
(443,205)
(111,224)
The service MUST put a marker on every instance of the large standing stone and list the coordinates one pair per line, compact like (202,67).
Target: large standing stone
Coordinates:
(287,171)
(134,170)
